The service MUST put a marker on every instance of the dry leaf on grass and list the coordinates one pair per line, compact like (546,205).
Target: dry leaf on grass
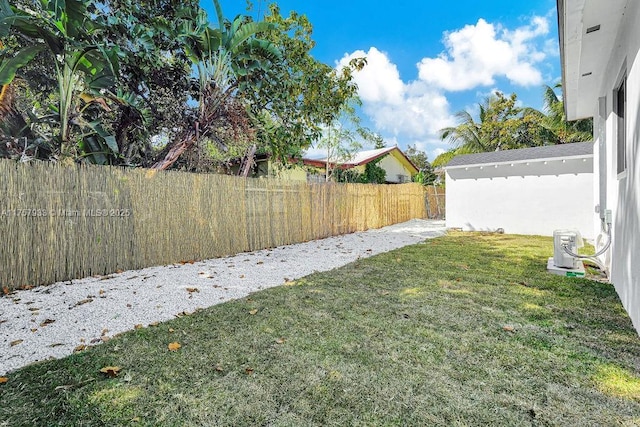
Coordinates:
(249,371)
(280,340)
(174,346)
(219,368)
(508,328)
(111,371)
(79,348)
(3,380)
(254,311)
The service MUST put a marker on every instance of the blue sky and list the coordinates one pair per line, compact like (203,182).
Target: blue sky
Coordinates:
(429,59)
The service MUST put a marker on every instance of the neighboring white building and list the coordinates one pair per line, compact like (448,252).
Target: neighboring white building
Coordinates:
(599,43)
(528,191)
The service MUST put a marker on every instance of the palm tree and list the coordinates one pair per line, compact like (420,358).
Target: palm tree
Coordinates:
(557,128)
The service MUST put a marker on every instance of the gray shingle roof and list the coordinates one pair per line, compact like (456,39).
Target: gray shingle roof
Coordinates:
(506,156)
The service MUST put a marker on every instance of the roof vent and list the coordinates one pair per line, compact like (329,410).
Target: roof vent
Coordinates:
(593,29)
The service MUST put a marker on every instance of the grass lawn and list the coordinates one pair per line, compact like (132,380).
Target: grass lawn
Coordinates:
(467,329)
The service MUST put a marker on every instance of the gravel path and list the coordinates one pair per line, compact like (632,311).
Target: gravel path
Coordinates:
(51,321)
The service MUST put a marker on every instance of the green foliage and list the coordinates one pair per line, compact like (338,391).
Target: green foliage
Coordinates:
(444,158)
(374,174)
(503,125)
(84,69)
(556,128)
(298,95)
(102,80)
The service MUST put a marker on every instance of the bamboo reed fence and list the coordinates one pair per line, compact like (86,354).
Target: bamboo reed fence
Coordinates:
(59,223)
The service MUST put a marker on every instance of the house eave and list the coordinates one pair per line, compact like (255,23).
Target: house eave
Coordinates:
(584,157)
(588,34)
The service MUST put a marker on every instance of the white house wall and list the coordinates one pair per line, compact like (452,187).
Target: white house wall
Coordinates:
(623,193)
(533,198)
(393,168)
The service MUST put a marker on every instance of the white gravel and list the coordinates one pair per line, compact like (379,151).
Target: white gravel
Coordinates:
(51,321)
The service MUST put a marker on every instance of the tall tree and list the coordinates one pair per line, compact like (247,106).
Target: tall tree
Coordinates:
(298,96)
(502,125)
(340,139)
(419,158)
(224,57)
(556,127)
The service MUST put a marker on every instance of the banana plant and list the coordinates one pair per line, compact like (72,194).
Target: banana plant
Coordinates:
(69,34)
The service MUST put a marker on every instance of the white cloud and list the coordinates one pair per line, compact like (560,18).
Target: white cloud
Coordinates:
(477,54)
(410,110)
(379,80)
(414,111)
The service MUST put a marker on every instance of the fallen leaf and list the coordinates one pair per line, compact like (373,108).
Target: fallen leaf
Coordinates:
(260,262)
(47,322)
(14,343)
(34,329)
(138,326)
(174,346)
(242,276)
(119,271)
(105,339)
(254,311)
(508,328)
(79,348)
(33,309)
(111,371)
(101,292)
(249,371)
(104,332)
(192,290)
(84,301)
(5,290)
(280,340)
(56,344)
(3,380)
(219,368)
(171,330)
(154,324)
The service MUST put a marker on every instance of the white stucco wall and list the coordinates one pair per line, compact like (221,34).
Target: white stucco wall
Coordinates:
(533,198)
(622,191)
(393,167)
